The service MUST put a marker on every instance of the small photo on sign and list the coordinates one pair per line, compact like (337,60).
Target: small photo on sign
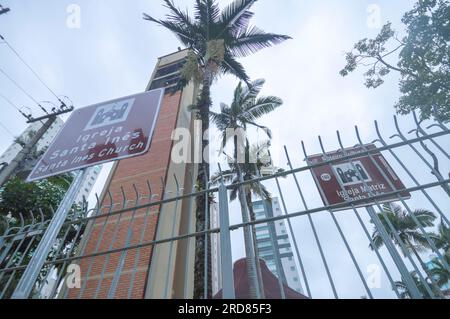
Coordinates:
(110,114)
(351,174)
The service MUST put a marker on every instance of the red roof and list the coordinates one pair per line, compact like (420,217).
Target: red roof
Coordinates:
(270,281)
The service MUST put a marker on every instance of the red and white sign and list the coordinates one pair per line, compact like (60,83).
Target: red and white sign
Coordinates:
(101,133)
(349,180)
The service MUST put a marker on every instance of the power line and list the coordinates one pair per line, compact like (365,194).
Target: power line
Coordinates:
(9,102)
(30,68)
(23,90)
(6,129)
(15,106)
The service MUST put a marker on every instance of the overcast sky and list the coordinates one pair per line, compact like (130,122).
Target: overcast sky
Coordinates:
(114,51)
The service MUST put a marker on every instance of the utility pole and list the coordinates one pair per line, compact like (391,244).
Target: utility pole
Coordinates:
(3,10)
(50,118)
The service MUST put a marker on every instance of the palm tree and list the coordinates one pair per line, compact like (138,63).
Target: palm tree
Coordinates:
(439,272)
(408,232)
(216,38)
(249,171)
(443,239)
(245,109)
(404,292)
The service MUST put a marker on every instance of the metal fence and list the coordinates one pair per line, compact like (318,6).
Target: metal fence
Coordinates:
(332,245)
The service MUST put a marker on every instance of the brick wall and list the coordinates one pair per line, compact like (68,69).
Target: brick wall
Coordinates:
(111,232)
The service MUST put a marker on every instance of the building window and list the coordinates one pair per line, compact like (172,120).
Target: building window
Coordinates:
(292,268)
(295,279)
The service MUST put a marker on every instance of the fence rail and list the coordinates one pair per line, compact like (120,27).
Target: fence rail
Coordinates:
(330,246)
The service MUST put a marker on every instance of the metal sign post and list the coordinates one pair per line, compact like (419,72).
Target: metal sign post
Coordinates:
(28,279)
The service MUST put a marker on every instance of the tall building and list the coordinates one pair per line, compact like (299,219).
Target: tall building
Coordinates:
(160,271)
(46,139)
(88,183)
(283,250)
(14,149)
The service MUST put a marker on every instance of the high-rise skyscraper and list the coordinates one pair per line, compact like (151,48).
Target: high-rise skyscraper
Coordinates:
(46,139)
(14,149)
(283,250)
(164,270)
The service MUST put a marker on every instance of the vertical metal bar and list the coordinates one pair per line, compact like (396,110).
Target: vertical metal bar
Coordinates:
(22,257)
(23,231)
(225,245)
(416,221)
(384,235)
(434,171)
(97,247)
(190,231)
(416,182)
(355,263)
(246,218)
(75,240)
(291,230)
(375,248)
(424,133)
(150,267)
(111,245)
(311,222)
(30,275)
(207,242)
(55,256)
(141,240)
(409,282)
(123,255)
(273,240)
(172,234)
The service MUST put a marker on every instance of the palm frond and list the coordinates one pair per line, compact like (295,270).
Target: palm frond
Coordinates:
(261,107)
(253,40)
(226,175)
(236,16)
(178,16)
(261,191)
(232,66)
(377,240)
(425,217)
(182,33)
(207,12)
(252,90)
(221,120)
(266,130)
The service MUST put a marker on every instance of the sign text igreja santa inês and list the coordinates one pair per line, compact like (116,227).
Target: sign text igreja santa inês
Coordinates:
(102,133)
(358,178)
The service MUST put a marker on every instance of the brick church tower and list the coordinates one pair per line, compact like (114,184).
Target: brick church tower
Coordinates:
(160,271)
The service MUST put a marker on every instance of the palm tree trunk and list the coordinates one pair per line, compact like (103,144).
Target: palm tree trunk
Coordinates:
(248,239)
(204,103)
